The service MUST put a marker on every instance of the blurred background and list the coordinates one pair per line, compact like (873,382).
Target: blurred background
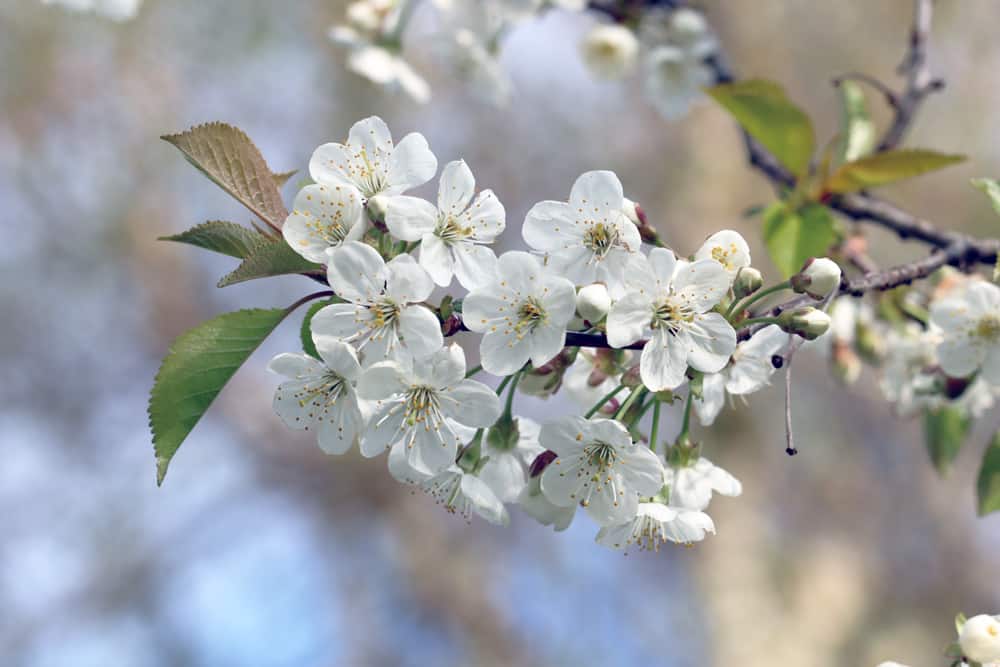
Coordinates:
(259,549)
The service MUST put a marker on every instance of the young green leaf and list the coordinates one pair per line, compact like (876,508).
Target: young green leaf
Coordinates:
(199,363)
(792,237)
(988,484)
(227,156)
(270,258)
(305,332)
(992,189)
(885,168)
(857,128)
(220,236)
(760,106)
(944,431)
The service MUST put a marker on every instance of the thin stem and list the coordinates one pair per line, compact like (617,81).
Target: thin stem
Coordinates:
(600,404)
(636,393)
(474,370)
(654,430)
(686,422)
(510,392)
(307,298)
(739,306)
(503,384)
(644,409)
(758,320)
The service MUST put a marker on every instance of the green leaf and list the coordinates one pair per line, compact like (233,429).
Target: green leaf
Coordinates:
(220,236)
(988,483)
(857,128)
(960,621)
(887,167)
(760,106)
(944,431)
(199,363)
(992,189)
(227,156)
(305,332)
(792,237)
(271,258)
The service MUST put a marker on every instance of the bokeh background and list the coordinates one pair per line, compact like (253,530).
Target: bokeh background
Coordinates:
(260,550)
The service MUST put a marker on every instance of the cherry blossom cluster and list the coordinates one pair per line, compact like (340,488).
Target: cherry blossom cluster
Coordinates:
(939,348)
(668,47)
(649,328)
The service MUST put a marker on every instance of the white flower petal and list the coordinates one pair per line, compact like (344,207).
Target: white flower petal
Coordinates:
(420,331)
(713,397)
(338,356)
(711,341)
(629,318)
(475,265)
(406,281)
(663,362)
(412,163)
(456,188)
(356,272)
(436,259)
(471,403)
(409,218)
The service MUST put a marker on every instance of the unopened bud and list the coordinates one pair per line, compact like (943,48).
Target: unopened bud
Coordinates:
(819,276)
(593,302)
(748,281)
(808,322)
(980,638)
(610,51)
(542,462)
(504,434)
(376,208)
(631,377)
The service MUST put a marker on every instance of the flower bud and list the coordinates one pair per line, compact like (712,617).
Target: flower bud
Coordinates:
(504,434)
(610,51)
(748,281)
(808,322)
(593,302)
(818,277)
(376,208)
(980,638)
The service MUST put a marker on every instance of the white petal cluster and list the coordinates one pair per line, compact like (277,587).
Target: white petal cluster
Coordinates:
(384,379)
(371,37)
(980,638)
(969,323)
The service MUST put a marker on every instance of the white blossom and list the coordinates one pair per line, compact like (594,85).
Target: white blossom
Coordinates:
(541,509)
(599,467)
(370,162)
(374,49)
(691,486)
(453,235)
(670,302)
(422,407)
(675,73)
(323,217)
(610,51)
(465,494)
(749,370)
(380,316)
(506,470)
(969,321)
(656,524)
(522,314)
(819,277)
(980,638)
(728,248)
(320,395)
(469,45)
(588,239)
